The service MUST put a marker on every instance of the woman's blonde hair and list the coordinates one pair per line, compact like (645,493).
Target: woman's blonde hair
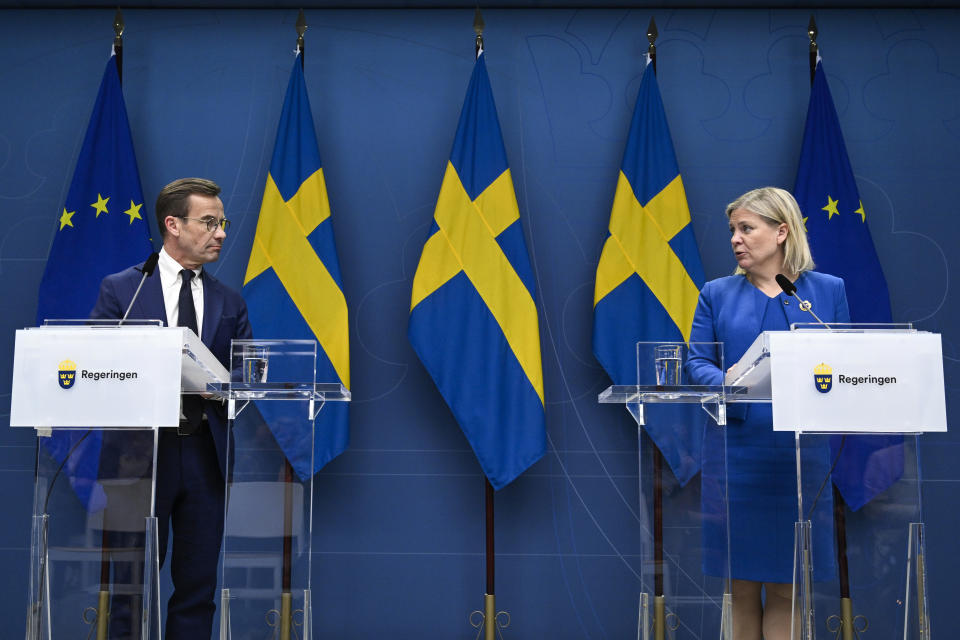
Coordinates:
(778,207)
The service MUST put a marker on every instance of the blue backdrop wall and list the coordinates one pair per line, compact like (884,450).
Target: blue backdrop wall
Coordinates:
(398,533)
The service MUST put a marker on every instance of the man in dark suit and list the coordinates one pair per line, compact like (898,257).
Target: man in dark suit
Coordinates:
(191,459)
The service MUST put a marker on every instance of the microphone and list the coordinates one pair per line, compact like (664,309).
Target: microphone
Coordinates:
(791,290)
(788,287)
(149,265)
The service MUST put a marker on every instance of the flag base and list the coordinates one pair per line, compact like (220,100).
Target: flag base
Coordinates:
(489,623)
(847,626)
(103,614)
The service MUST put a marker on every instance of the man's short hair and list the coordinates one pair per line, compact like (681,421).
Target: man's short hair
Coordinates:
(173,198)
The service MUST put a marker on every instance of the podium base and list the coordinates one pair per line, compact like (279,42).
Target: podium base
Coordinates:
(287,622)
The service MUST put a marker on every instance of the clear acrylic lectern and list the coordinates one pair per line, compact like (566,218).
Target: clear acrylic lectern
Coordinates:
(267,564)
(857,398)
(684,522)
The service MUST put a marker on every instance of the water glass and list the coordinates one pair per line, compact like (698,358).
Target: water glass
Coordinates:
(666,359)
(254,364)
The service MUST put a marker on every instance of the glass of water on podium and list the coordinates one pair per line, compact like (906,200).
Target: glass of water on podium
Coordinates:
(667,361)
(254,363)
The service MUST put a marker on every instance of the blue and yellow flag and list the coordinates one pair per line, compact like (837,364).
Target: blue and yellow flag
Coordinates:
(293,286)
(473,312)
(102,229)
(840,240)
(649,275)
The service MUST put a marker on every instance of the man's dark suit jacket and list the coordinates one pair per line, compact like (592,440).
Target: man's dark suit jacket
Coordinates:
(224,319)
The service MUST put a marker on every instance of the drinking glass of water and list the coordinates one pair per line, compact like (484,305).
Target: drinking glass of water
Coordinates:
(666,359)
(254,364)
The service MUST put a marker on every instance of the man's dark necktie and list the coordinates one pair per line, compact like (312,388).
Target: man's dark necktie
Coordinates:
(187,317)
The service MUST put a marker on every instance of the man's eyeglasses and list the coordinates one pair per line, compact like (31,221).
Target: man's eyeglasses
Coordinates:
(211,223)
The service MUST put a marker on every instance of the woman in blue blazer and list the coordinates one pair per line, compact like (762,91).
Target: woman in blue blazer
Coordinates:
(768,238)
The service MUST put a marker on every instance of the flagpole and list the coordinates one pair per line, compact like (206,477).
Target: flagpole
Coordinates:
(286,583)
(103,595)
(659,600)
(118,26)
(286,595)
(814,48)
(489,597)
(839,505)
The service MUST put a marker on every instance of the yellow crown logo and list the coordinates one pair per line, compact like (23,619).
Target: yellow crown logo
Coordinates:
(67,374)
(822,370)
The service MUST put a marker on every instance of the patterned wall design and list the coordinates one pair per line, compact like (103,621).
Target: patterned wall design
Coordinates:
(398,531)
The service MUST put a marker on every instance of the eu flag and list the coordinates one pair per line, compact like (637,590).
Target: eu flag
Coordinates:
(649,275)
(473,312)
(840,240)
(293,286)
(102,229)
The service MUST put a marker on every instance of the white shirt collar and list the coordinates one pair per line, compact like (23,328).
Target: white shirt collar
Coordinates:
(170,269)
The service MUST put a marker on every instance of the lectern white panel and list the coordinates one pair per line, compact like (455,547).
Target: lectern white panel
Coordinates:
(105,376)
(883,381)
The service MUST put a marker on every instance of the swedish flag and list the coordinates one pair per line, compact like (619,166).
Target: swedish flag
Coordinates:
(102,229)
(840,240)
(649,275)
(473,313)
(293,286)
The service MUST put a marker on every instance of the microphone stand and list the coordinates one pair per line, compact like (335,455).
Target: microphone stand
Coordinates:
(791,290)
(806,306)
(102,611)
(147,270)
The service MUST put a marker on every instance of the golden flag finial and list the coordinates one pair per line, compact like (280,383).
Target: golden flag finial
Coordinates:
(118,26)
(652,34)
(301,29)
(478,25)
(814,49)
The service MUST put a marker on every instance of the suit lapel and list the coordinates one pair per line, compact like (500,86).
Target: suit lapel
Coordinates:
(754,302)
(795,314)
(212,308)
(759,309)
(746,318)
(149,304)
(793,310)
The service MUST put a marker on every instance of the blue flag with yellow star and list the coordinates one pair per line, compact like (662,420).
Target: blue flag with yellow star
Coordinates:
(293,286)
(473,309)
(839,235)
(649,275)
(101,229)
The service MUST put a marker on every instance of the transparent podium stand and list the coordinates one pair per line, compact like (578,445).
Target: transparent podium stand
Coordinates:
(267,543)
(684,527)
(93,547)
(97,393)
(859,566)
